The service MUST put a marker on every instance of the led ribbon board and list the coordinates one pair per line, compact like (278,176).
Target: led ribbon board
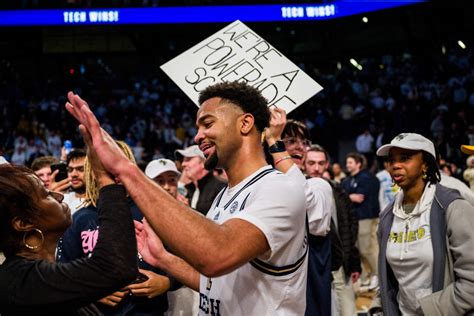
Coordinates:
(197,14)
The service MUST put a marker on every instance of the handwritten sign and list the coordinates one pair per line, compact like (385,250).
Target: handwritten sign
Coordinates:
(236,53)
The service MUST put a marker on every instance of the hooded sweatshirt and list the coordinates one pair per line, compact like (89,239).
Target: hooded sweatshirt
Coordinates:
(410,251)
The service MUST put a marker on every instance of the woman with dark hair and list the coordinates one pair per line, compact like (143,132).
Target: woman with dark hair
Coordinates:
(426,236)
(31,221)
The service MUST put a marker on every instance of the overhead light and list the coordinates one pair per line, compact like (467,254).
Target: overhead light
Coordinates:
(381,66)
(365,19)
(338,65)
(355,63)
(443,49)
(460,43)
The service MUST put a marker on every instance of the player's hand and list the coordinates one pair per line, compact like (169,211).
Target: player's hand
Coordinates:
(149,244)
(110,155)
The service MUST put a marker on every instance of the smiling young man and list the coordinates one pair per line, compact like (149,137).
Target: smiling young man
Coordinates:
(248,257)
(288,144)
(345,256)
(75,171)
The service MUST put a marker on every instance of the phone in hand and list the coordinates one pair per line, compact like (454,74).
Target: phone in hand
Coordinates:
(62,174)
(140,278)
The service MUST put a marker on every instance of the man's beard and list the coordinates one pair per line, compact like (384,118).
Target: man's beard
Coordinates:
(211,162)
(80,190)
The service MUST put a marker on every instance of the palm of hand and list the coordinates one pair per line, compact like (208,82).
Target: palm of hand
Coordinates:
(150,246)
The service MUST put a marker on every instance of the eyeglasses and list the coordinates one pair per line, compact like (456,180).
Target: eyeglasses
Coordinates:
(292,141)
(78,169)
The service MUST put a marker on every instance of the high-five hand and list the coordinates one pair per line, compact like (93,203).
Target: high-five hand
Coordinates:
(109,153)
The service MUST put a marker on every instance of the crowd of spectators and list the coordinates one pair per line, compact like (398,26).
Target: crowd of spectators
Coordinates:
(391,94)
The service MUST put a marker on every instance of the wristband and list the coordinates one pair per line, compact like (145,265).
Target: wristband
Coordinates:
(277,147)
(281,159)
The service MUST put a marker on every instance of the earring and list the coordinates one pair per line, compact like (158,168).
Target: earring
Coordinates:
(30,246)
(424,175)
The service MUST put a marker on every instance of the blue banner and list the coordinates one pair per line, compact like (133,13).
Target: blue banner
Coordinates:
(198,14)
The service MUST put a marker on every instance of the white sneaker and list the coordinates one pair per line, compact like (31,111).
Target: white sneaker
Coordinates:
(374,282)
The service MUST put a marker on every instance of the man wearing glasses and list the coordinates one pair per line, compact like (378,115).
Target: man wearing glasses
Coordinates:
(75,171)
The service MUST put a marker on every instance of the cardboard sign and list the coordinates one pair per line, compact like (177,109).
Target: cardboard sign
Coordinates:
(238,53)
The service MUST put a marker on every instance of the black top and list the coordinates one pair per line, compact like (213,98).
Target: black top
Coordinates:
(37,287)
(209,187)
(367,184)
(79,241)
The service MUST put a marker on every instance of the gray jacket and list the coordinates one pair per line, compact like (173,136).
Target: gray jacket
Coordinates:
(452,236)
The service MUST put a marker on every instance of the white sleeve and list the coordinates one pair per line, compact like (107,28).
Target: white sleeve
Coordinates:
(318,201)
(277,209)
(319,214)
(463,189)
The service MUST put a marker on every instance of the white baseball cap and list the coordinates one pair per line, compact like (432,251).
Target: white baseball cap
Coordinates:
(159,166)
(410,141)
(3,160)
(191,151)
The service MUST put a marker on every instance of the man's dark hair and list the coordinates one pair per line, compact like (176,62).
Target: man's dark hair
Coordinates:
(248,98)
(76,153)
(358,158)
(294,129)
(41,162)
(319,149)
(432,174)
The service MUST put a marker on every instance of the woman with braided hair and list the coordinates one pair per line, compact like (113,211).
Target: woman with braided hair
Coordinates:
(147,294)
(425,235)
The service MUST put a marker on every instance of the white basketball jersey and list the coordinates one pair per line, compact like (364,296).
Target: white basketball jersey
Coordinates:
(275,283)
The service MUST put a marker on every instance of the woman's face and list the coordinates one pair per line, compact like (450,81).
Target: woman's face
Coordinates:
(406,167)
(55,216)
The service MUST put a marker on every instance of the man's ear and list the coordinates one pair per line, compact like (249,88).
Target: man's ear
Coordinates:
(21,225)
(247,121)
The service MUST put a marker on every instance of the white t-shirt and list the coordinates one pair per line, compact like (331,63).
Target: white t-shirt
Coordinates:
(73,202)
(275,204)
(320,204)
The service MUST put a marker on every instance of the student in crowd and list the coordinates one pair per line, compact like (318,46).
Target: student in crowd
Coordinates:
(454,183)
(183,301)
(146,296)
(41,166)
(248,256)
(345,257)
(75,170)
(288,143)
(363,190)
(425,236)
(31,221)
(203,185)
